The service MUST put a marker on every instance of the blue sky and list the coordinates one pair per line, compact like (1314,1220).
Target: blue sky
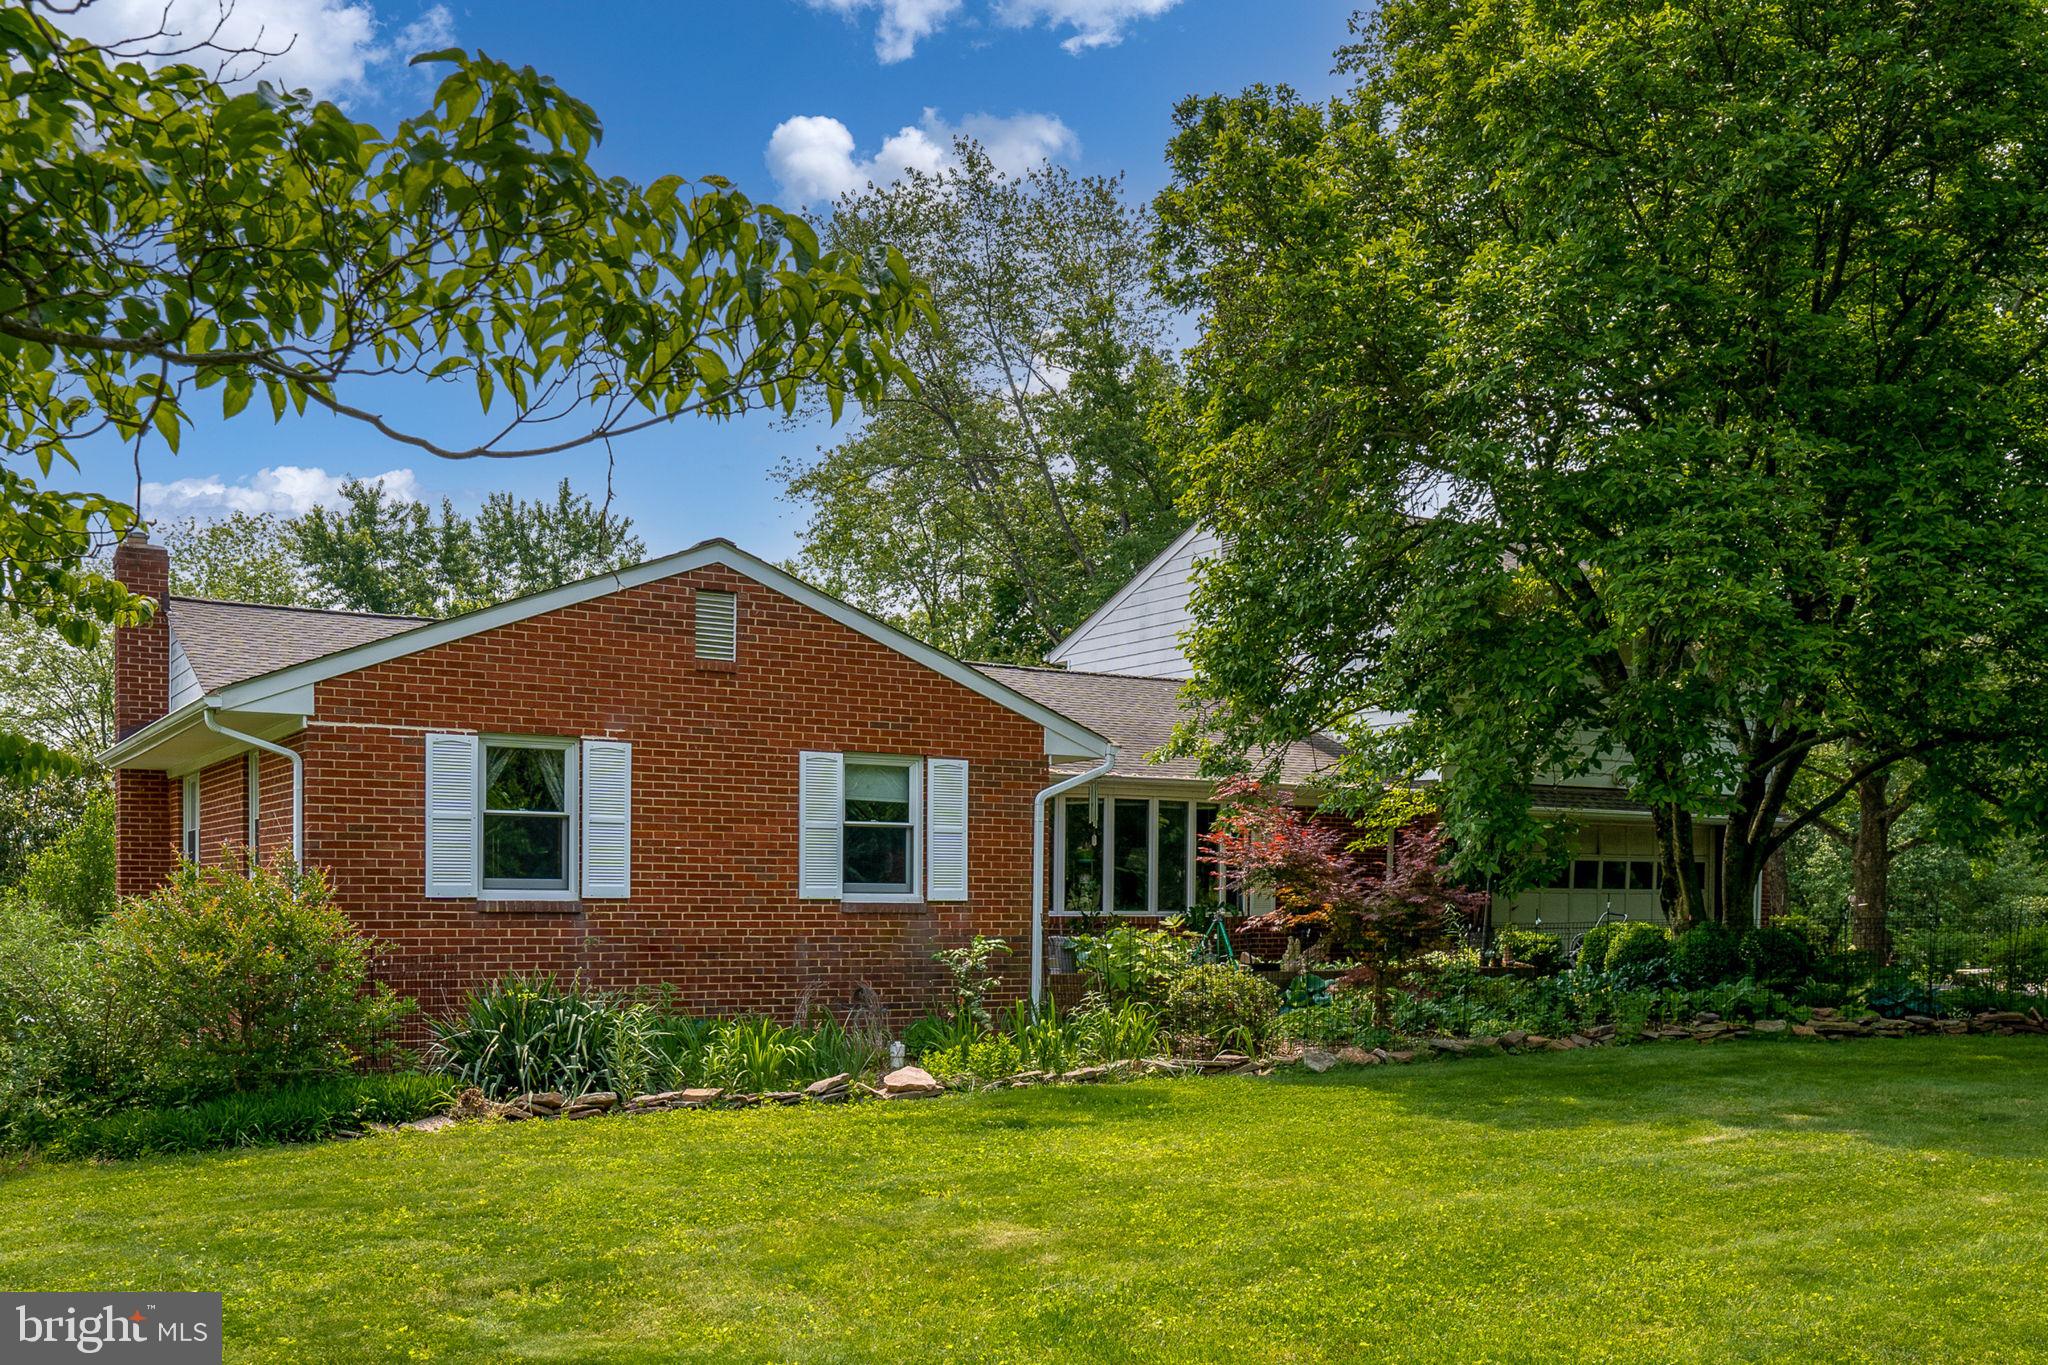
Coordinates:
(786,97)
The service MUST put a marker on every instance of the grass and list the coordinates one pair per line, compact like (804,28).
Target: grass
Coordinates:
(1874,1201)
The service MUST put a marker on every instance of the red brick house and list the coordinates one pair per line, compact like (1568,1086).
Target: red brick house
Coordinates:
(699,772)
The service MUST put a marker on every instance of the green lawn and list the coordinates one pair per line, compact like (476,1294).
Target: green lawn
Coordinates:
(1768,1201)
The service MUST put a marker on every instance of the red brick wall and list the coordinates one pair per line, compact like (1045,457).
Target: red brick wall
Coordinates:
(714,912)
(224,811)
(146,830)
(145,816)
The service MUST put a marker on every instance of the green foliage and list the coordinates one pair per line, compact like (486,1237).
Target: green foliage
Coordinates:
(1224,1004)
(1637,945)
(220,982)
(1345,1021)
(301,1113)
(525,1034)
(1021,482)
(1682,322)
(176,240)
(72,876)
(531,1033)
(1705,954)
(242,557)
(1544,952)
(383,554)
(967,967)
(1773,955)
(1125,1032)
(1594,943)
(1125,962)
(247,980)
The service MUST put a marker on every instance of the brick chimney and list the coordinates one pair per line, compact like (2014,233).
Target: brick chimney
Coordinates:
(142,654)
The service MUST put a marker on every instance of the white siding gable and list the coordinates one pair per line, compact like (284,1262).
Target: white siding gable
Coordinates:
(1138,631)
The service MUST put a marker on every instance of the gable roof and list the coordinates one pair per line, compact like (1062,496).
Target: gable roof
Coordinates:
(288,689)
(1139,582)
(1138,714)
(229,642)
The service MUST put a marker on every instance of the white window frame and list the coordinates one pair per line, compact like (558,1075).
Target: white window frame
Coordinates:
(572,801)
(916,862)
(253,794)
(188,819)
(1104,803)
(1104,800)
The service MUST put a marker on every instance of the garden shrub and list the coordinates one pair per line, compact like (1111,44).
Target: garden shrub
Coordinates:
(72,876)
(1118,1033)
(1128,963)
(73,1035)
(2029,958)
(1593,946)
(301,1113)
(1224,1003)
(246,980)
(1639,945)
(219,982)
(529,1033)
(1775,956)
(1705,954)
(1544,952)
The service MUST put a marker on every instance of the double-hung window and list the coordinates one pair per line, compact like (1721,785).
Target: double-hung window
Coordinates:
(528,834)
(528,817)
(879,849)
(881,828)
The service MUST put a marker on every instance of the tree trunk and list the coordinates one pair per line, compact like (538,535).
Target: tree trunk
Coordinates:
(1679,893)
(1870,868)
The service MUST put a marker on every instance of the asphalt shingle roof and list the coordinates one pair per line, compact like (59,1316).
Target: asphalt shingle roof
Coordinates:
(228,642)
(1138,715)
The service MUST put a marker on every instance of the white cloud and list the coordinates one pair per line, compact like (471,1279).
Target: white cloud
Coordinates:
(1096,23)
(903,24)
(331,47)
(285,489)
(812,156)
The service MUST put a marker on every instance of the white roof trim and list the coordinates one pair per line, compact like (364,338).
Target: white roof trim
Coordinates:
(1117,599)
(261,693)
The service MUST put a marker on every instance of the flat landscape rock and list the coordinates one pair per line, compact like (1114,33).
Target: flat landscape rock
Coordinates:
(910,1082)
(1317,1060)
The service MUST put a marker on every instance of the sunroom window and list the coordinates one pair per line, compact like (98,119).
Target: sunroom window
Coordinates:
(1146,849)
(526,821)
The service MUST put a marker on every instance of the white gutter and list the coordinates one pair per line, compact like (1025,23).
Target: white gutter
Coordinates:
(1038,888)
(298,778)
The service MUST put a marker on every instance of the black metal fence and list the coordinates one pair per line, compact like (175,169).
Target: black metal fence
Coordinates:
(1938,959)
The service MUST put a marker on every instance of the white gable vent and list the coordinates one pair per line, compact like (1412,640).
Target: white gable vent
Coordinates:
(717,625)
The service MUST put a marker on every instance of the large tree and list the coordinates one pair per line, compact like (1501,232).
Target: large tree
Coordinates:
(996,502)
(1654,386)
(164,235)
(380,553)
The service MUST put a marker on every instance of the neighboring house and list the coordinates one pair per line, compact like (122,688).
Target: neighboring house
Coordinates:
(1138,632)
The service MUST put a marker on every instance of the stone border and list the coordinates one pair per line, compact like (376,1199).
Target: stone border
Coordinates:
(1824,1023)
(912,1082)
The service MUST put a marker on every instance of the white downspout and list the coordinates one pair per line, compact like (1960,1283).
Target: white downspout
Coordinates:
(1038,889)
(298,778)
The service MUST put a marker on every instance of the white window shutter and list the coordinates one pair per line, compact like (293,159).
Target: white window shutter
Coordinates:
(821,812)
(607,819)
(453,798)
(946,829)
